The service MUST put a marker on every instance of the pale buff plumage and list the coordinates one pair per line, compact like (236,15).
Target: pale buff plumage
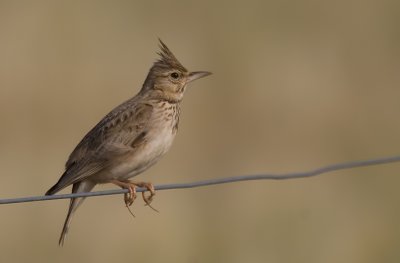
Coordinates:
(132,137)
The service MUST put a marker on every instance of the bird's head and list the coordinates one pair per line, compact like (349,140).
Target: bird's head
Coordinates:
(169,77)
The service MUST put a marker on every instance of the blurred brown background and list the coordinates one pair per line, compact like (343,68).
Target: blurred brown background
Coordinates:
(296,85)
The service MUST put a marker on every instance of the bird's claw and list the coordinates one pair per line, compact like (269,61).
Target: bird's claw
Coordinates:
(148,199)
(130,197)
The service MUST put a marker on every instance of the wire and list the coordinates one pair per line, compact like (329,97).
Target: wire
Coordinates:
(286,176)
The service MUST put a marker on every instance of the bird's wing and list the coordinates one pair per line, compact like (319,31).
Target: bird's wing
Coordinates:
(117,134)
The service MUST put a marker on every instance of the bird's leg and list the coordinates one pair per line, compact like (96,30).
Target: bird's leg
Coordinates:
(131,196)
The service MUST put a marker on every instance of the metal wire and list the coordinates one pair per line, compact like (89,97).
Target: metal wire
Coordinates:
(295,175)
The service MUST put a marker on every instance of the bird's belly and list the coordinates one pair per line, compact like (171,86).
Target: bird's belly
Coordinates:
(154,147)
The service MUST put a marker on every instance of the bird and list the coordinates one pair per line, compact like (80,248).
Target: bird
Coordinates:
(130,138)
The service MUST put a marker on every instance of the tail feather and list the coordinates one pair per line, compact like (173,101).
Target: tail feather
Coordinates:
(80,187)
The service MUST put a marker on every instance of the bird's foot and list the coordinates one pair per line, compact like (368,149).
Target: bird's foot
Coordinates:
(150,189)
(130,197)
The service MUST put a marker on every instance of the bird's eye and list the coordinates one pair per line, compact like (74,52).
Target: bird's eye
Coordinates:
(175,75)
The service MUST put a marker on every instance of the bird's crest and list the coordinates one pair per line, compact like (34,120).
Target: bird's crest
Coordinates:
(167,59)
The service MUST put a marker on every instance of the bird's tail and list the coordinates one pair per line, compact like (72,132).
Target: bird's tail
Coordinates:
(80,187)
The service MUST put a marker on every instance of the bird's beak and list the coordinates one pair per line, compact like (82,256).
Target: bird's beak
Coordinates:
(197,74)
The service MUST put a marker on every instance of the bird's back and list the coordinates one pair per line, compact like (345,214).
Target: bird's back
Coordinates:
(127,141)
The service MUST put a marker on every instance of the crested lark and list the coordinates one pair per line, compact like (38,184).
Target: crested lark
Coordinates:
(131,138)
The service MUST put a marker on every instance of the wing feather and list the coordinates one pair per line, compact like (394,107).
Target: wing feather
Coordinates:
(118,133)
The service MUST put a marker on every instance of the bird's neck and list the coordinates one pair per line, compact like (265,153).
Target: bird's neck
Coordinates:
(163,95)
